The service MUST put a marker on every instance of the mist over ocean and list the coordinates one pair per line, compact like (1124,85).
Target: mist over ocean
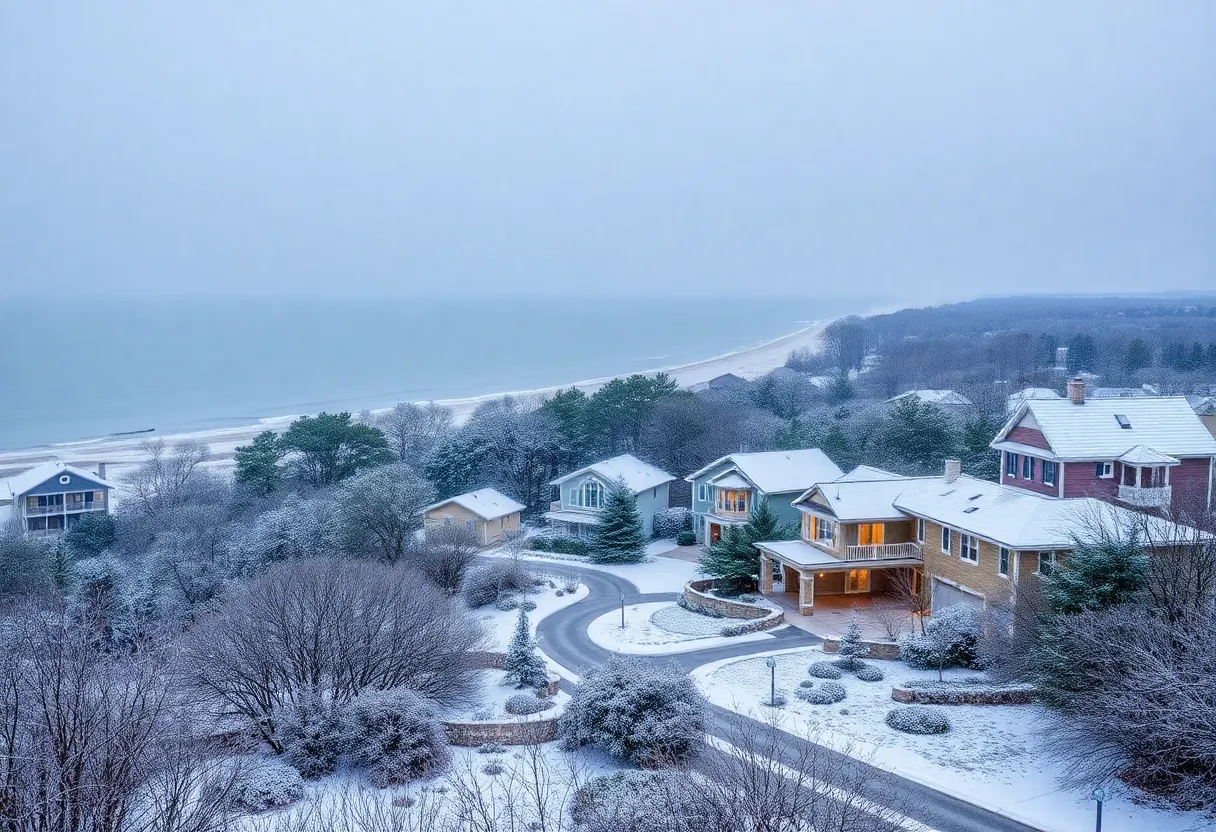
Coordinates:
(90,367)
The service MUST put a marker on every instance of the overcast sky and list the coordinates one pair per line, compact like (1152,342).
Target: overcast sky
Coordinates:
(510,146)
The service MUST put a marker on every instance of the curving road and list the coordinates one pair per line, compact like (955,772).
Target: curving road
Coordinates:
(563,637)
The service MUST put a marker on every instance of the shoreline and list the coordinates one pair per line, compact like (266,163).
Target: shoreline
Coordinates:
(121,452)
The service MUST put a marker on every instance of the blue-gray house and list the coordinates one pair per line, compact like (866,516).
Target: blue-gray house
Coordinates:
(725,491)
(51,497)
(582,493)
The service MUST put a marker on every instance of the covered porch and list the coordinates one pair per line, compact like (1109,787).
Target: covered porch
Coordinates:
(1145,477)
(803,577)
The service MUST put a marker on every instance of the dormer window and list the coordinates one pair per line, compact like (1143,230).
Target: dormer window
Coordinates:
(1123,421)
(589,495)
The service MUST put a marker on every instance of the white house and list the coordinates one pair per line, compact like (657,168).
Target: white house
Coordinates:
(582,493)
(53,496)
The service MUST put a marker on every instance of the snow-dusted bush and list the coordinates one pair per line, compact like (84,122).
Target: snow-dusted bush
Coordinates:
(396,735)
(828,693)
(631,800)
(559,593)
(915,719)
(824,670)
(486,584)
(806,683)
(562,544)
(669,522)
(522,704)
(951,639)
(527,605)
(778,701)
(311,733)
(686,539)
(635,711)
(266,784)
(506,604)
(869,673)
(852,649)
(970,690)
(491,748)
(492,768)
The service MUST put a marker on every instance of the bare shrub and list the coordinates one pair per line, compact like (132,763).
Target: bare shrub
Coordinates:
(160,481)
(487,584)
(444,555)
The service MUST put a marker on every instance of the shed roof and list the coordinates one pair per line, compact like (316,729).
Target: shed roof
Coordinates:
(486,503)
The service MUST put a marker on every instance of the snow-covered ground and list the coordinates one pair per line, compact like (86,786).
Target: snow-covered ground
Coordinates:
(656,574)
(495,693)
(663,627)
(991,757)
(500,624)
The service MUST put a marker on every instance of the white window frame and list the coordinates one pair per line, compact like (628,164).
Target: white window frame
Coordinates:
(1055,472)
(1106,471)
(1046,557)
(1011,461)
(701,492)
(946,541)
(820,525)
(1028,467)
(1004,559)
(920,530)
(969,548)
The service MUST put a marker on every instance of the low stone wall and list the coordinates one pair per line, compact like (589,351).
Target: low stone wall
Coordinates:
(885,650)
(493,660)
(977,695)
(519,732)
(696,594)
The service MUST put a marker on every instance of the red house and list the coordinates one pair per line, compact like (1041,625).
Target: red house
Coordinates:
(1150,452)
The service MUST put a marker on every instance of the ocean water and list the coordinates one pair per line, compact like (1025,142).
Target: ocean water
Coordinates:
(91,367)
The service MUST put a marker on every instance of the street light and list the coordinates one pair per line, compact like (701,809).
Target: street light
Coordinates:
(772,680)
(622,610)
(1099,794)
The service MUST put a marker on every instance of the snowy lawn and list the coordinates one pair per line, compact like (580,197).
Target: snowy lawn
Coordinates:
(992,755)
(494,695)
(663,627)
(500,624)
(656,574)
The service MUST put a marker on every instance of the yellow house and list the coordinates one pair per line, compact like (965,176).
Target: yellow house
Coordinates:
(488,513)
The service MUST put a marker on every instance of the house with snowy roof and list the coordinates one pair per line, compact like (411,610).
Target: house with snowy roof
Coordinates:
(53,496)
(489,514)
(725,491)
(1149,452)
(1013,400)
(938,398)
(581,493)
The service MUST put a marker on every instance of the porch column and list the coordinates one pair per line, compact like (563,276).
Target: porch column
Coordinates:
(766,574)
(806,593)
(1167,475)
(1138,470)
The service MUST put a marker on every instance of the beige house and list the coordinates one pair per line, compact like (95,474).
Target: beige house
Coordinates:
(488,513)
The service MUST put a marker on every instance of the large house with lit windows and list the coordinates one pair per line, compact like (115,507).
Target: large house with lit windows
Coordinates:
(52,497)
(581,493)
(725,491)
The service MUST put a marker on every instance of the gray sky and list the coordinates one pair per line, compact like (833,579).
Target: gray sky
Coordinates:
(396,147)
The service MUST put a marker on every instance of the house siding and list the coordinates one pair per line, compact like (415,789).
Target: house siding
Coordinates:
(52,485)
(981,578)
(649,501)
(1028,436)
(1081,480)
(1036,485)
(1189,481)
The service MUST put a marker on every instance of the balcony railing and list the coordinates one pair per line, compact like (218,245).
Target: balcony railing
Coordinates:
(883,551)
(1146,496)
(734,514)
(63,508)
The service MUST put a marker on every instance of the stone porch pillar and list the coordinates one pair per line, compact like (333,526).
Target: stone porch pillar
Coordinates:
(766,574)
(806,593)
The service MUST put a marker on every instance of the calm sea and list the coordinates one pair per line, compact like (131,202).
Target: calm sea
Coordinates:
(86,368)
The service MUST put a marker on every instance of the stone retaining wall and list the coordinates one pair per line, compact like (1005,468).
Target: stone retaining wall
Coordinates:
(696,594)
(885,650)
(520,732)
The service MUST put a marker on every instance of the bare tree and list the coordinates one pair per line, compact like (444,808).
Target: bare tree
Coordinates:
(329,628)
(911,590)
(413,430)
(380,511)
(444,555)
(159,482)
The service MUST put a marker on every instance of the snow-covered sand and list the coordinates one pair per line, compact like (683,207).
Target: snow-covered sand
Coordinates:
(121,452)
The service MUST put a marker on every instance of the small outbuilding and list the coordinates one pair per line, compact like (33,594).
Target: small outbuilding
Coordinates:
(488,513)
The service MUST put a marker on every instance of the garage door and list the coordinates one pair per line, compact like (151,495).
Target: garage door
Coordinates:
(947,595)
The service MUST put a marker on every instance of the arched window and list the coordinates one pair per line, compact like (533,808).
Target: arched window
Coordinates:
(593,495)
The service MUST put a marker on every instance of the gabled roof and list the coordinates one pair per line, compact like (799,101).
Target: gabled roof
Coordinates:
(1088,431)
(730,479)
(638,475)
(1144,455)
(937,397)
(1203,405)
(486,503)
(1020,519)
(28,480)
(779,472)
(856,500)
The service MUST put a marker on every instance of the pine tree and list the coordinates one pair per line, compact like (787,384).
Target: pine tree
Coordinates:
(618,538)
(525,667)
(734,560)
(1097,576)
(852,649)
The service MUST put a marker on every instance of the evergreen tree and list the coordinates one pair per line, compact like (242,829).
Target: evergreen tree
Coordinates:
(91,534)
(525,667)
(1096,576)
(1082,353)
(257,464)
(979,460)
(734,560)
(852,650)
(618,538)
(330,447)
(1138,356)
(918,436)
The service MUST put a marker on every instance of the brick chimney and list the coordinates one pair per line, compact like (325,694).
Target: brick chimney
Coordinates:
(1076,390)
(954,469)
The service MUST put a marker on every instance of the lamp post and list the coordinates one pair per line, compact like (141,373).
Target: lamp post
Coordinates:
(772,680)
(1099,794)
(622,610)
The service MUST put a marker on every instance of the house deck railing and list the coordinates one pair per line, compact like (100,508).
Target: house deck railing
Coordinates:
(1146,496)
(64,508)
(883,551)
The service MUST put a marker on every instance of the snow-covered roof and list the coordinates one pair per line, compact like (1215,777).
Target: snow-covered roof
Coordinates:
(638,475)
(1118,393)
(590,518)
(730,479)
(863,473)
(1020,519)
(797,552)
(14,487)
(1144,455)
(779,472)
(855,500)
(486,503)
(1035,393)
(937,397)
(1202,405)
(1094,430)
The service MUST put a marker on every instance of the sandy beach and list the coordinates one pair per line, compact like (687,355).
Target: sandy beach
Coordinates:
(121,452)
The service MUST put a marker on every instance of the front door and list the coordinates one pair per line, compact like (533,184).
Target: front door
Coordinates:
(715,533)
(858,581)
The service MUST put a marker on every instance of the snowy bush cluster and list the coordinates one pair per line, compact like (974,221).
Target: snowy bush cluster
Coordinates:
(506,604)
(266,784)
(635,711)
(869,673)
(972,690)
(828,693)
(669,522)
(488,584)
(916,719)
(951,639)
(562,544)
(523,704)
(824,670)
(688,538)
(622,800)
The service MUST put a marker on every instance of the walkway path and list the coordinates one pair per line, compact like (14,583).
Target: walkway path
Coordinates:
(563,637)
